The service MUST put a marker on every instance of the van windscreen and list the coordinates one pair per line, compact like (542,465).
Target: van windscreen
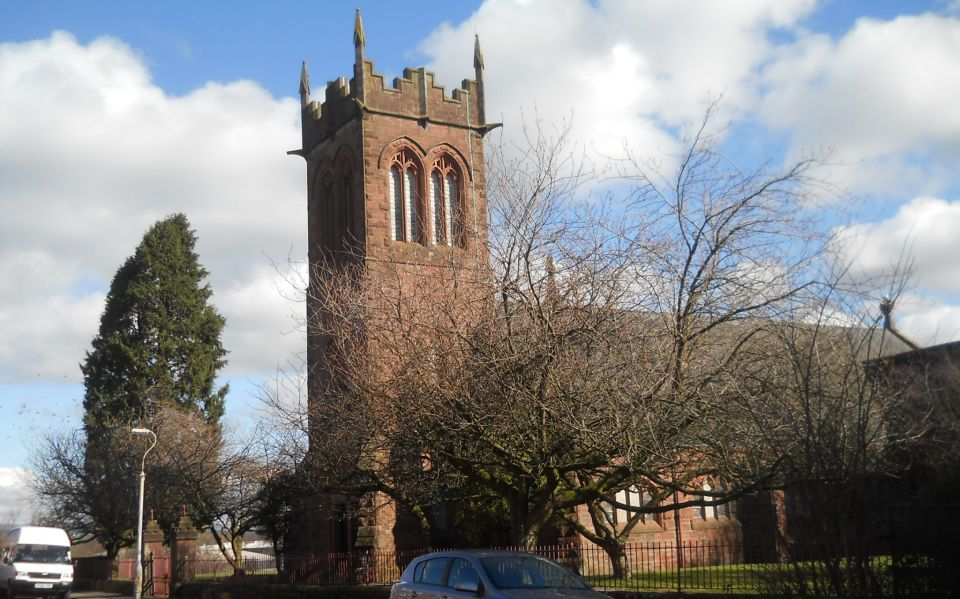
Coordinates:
(46,554)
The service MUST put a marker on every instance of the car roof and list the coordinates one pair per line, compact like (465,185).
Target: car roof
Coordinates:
(478,553)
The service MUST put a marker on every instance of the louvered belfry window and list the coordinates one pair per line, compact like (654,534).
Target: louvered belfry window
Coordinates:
(405,205)
(444,202)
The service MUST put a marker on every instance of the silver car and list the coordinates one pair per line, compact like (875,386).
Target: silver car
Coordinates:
(489,574)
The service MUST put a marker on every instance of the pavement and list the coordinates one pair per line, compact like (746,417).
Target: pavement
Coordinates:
(98,595)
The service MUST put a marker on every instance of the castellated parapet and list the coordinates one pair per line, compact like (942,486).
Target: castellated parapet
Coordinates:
(413,96)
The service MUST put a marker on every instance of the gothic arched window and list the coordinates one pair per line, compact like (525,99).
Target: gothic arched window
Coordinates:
(636,498)
(404,198)
(396,204)
(444,202)
(713,508)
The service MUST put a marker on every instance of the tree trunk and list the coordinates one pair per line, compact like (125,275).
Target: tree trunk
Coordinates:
(618,559)
(236,547)
(525,526)
(426,529)
(234,557)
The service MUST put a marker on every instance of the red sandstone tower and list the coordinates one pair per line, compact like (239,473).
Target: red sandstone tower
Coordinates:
(394,174)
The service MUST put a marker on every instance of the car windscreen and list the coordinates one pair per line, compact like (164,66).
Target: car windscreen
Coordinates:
(529,572)
(46,554)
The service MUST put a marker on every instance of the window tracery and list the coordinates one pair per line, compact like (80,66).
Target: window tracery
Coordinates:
(714,507)
(444,202)
(404,181)
(635,498)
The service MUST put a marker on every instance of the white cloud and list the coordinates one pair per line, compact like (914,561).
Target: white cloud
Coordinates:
(626,70)
(928,320)
(91,153)
(260,308)
(45,337)
(14,496)
(883,96)
(922,233)
(951,5)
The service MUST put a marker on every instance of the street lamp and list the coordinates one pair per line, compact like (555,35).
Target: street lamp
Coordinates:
(138,583)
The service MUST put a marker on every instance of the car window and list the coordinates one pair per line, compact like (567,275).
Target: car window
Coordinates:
(463,575)
(434,570)
(529,572)
(49,554)
(418,572)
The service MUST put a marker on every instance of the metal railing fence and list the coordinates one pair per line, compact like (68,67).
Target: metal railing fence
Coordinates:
(812,569)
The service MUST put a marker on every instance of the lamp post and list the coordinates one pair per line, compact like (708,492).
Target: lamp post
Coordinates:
(138,582)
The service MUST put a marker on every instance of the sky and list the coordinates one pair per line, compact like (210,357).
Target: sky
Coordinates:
(116,114)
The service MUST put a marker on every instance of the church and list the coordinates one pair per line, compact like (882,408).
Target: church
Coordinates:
(395,175)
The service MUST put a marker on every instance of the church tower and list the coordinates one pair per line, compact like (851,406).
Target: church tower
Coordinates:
(394,174)
(391,170)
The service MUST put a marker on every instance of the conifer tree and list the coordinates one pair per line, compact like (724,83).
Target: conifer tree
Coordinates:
(158,348)
(159,338)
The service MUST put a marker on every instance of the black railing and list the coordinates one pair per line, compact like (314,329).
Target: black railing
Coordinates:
(815,570)
(644,566)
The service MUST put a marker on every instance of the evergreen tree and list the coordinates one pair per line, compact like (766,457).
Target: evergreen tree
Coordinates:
(158,348)
(159,338)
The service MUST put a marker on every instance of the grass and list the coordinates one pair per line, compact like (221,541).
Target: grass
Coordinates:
(749,578)
(743,578)
(229,572)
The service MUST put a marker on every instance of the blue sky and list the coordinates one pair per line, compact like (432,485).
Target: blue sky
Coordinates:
(114,114)
(187,44)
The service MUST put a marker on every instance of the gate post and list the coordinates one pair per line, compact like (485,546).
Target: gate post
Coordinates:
(184,549)
(152,538)
(152,550)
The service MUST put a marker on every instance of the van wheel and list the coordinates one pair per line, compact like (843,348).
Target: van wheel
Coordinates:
(65,595)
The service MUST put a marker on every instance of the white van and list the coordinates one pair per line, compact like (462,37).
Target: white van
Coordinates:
(35,560)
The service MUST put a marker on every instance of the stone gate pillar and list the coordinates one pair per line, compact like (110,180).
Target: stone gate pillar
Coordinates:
(154,558)
(183,548)
(152,538)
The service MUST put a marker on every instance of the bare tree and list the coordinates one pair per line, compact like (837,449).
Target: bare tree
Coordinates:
(222,477)
(218,479)
(586,345)
(842,431)
(611,522)
(84,500)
